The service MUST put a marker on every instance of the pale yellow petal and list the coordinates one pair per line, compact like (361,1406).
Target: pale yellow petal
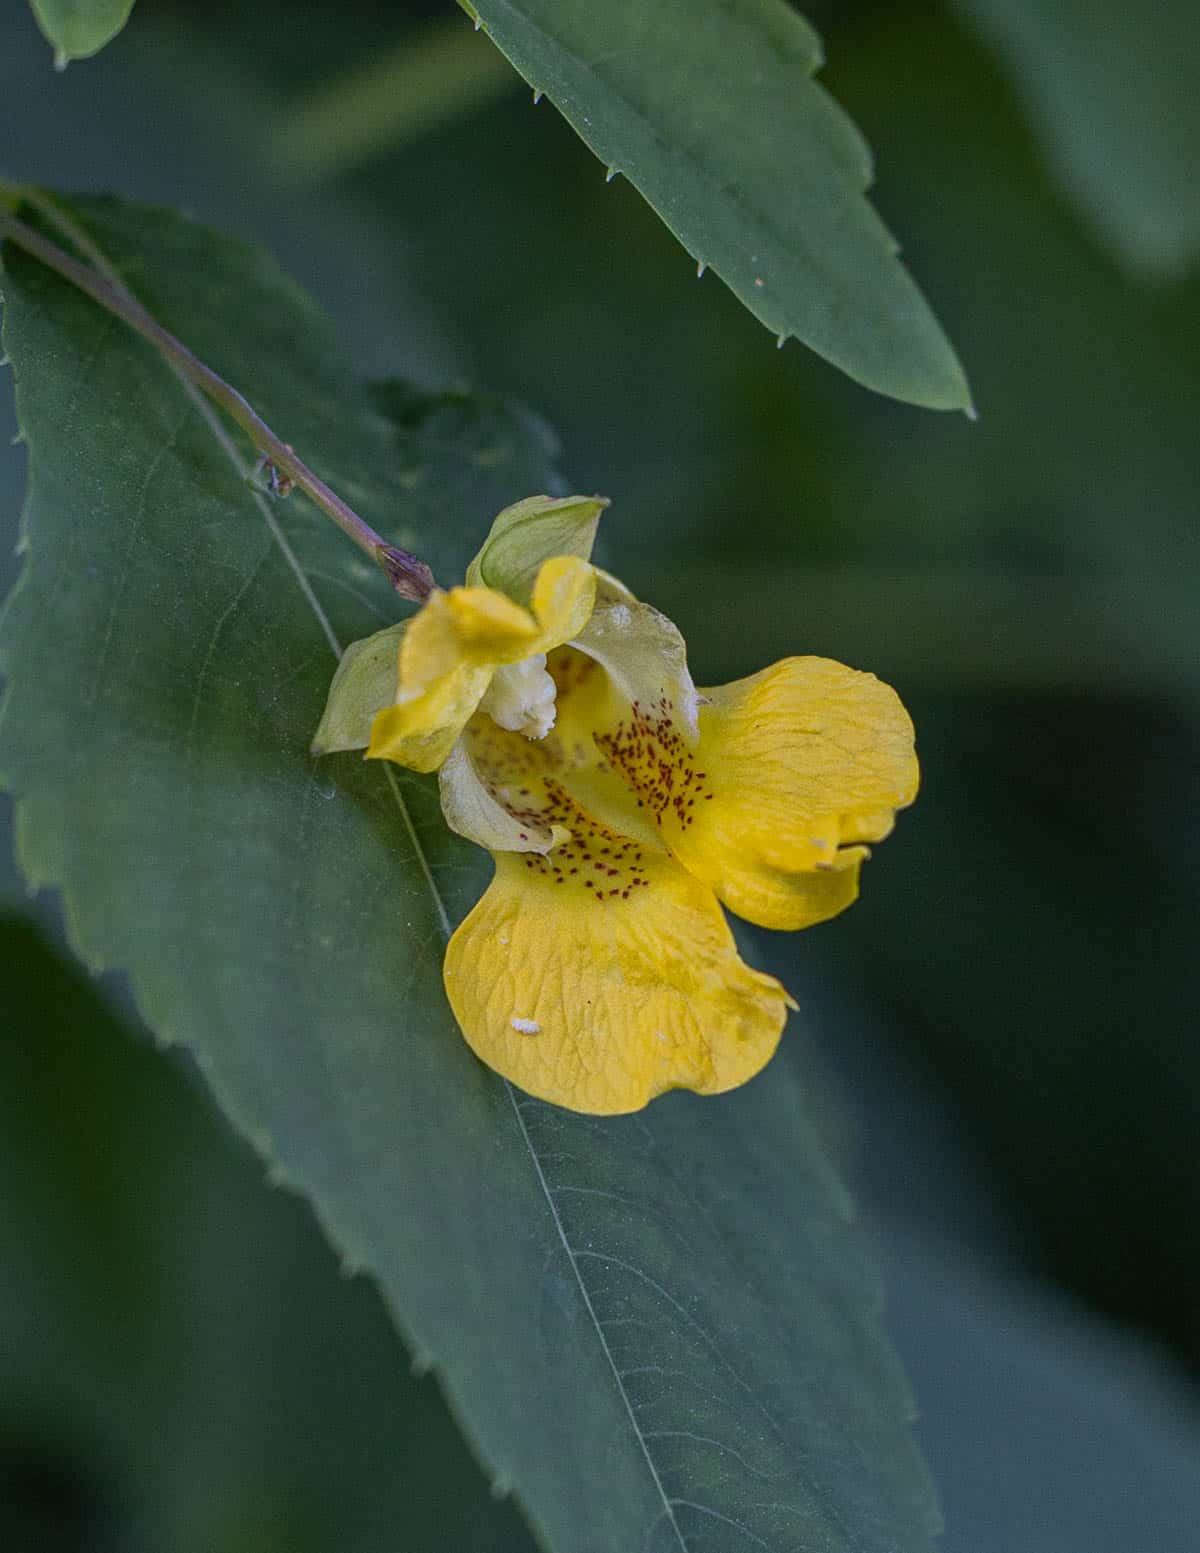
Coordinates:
(421,732)
(795,768)
(487,626)
(448,655)
(644,658)
(471,807)
(564,595)
(601,982)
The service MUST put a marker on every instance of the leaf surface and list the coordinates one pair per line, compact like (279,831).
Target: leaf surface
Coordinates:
(713,114)
(658,1330)
(178,1353)
(78,28)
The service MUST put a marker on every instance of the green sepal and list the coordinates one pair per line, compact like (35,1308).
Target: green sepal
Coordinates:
(364,682)
(530,532)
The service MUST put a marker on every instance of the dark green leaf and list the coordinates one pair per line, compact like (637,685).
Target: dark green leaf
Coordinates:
(77,28)
(657,1329)
(179,1355)
(712,112)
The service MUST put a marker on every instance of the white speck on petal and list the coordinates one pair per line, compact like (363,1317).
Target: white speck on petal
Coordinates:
(525,1026)
(691,708)
(661,1035)
(620,615)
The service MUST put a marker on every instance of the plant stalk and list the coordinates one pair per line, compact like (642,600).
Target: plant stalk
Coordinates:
(409,576)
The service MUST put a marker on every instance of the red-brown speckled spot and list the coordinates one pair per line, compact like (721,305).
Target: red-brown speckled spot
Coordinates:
(657,762)
(528,779)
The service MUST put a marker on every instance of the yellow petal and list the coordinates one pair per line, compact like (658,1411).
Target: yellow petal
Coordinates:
(456,644)
(444,673)
(795,767)
(598,977)
(421,733)
(486,626)
(564,595)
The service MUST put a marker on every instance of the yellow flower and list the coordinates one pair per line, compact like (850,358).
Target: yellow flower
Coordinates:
(622,806)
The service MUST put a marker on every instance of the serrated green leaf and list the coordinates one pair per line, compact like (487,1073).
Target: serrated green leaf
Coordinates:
(1111,90)
(657,1329)
(178,1350)
(78,28)
(712,113)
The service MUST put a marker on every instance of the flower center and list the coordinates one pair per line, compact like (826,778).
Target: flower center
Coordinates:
(521,698)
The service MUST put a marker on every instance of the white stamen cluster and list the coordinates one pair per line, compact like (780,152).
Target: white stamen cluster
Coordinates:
(521,698)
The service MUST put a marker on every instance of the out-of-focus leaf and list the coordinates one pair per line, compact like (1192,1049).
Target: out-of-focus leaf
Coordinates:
(1056,985)
(182,1368)
(657,1329)
(77,28)
(1111,88)
(713,114)
(397,95)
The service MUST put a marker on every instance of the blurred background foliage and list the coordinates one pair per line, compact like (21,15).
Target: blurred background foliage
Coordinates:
(1002,1031)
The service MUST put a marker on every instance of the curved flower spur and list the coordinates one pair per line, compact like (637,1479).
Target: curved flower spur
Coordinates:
(622,807)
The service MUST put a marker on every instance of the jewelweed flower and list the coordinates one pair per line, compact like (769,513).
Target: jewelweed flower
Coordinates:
(623,808)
